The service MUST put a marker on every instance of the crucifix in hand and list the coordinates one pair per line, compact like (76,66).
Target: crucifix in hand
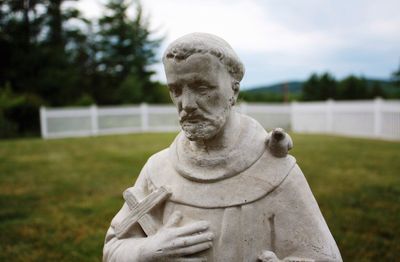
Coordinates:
(140,211)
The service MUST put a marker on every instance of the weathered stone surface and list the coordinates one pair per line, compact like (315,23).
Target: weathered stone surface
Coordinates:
(234,193)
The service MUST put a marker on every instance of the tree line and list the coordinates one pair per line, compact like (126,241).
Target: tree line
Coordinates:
(325,86)
(52,55)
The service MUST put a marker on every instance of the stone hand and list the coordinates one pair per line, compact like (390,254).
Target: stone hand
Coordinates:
(173,241)
(268,256)
(279,142)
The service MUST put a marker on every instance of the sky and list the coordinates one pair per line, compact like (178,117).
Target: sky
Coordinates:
(284,40)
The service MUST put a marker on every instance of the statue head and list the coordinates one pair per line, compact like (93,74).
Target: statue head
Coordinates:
(203,76)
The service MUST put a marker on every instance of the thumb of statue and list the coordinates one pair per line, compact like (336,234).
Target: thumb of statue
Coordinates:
(279,142)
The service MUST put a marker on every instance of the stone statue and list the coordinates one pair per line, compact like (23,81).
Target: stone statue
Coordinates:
(225,190)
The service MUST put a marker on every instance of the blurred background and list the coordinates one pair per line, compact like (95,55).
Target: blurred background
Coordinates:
(90,67)
(73,53)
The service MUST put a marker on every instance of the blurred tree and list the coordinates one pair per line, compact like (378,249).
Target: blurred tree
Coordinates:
(352,88)
(125,51)
(396,77)
(66,53)
(328,86)
(18,113)
(310,88)
(376,90)
(39,62)
(319,87)
(20,27)
(50,54)
(325,86)
(34,40)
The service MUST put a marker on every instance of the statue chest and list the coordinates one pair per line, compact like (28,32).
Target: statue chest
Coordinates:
(241,232)
(246,187)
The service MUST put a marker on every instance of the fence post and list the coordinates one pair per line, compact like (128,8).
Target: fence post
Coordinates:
(43,122)
(293,106)
(144,116)
(94,120)
(377,116)
(329,115)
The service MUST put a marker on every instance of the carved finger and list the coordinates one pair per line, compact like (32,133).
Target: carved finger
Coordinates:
(174,219)
(278,134)
(191,240)
(193,228)
(268,256)
(191,249)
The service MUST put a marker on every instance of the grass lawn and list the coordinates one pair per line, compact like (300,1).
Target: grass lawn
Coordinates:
(57,197)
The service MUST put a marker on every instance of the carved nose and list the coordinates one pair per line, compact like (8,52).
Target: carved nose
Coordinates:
(188,102)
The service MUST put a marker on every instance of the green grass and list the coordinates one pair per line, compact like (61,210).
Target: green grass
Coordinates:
(57,197)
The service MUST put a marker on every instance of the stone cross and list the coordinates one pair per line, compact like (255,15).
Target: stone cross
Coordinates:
(140,211)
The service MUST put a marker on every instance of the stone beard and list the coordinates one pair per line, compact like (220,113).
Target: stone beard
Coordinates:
(200,126)
(226,195)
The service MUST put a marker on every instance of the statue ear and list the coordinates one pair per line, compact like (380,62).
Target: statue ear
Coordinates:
(235,88)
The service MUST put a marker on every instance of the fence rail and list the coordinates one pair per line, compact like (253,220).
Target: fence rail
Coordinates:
(371,118)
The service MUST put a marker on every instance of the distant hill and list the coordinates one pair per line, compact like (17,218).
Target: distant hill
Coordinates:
(274,93)
(293,86)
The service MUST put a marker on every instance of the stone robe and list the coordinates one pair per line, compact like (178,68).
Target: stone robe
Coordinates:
(252,200)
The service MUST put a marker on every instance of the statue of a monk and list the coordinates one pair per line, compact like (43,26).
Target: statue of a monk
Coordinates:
(225,190)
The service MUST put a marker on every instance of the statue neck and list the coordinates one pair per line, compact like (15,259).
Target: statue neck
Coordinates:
(233,151)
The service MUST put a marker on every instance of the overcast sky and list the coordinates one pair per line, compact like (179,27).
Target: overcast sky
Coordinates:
(283,40)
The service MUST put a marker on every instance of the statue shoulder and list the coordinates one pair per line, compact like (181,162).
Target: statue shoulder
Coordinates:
(155,162)
(271,170)
(159,165)
(159,158)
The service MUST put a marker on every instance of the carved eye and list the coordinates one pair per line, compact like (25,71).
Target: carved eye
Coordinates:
(175,91)
(202,89)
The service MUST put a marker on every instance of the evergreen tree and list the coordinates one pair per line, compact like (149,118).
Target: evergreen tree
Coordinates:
(352,88)
(319,87)
(63,78)
(37,67)
(376,90)
(20,27)
(327,86)
(396,77)
(310,88)
(125,51)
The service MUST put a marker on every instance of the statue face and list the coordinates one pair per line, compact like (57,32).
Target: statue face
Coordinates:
(201,89)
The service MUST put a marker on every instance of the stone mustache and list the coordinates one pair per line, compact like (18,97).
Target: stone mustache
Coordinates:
(225,190)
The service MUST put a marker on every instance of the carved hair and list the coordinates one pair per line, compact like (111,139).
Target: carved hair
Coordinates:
(202,43)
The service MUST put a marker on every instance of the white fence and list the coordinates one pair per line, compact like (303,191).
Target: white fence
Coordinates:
(374,118)
(86,121)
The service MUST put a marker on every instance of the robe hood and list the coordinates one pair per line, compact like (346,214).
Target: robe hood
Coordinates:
(249,147)
(245,174)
